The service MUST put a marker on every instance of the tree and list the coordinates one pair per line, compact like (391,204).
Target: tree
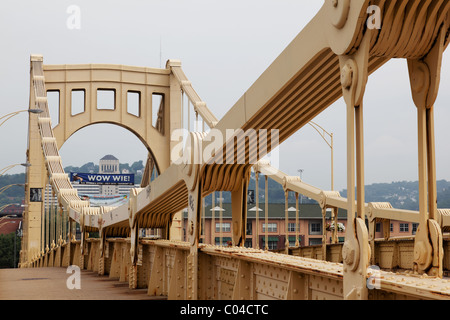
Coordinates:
(137,165)
(7,244)
(14,194)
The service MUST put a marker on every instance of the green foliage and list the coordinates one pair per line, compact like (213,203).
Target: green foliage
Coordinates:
(89,167)
(404,194)
(138,165)
(7,250)
(13,194)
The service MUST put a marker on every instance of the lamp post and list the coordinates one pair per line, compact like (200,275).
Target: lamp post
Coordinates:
(3,171)
(8,116)
(257,209)
(300,171)
(4,188)
(221,217)
(220,209)
(6,222)
(8,216)
(324,134)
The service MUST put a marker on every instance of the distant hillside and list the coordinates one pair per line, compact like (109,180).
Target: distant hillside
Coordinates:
(404,194)
(15,194)
(401,194)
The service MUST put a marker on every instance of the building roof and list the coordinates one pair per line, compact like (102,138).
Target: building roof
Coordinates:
(12,209)
(276,210)
(109,157)
(9,225)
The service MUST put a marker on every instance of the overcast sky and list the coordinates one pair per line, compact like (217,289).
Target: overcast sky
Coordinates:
(224,46)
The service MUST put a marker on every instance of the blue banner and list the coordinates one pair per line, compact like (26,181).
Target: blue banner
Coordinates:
(101,178)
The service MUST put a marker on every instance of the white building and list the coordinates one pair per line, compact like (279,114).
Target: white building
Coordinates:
(109,164)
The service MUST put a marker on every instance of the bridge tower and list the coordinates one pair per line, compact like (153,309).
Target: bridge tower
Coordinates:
(159,111)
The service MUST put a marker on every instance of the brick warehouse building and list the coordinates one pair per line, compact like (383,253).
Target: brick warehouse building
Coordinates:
(310,222)
(11,219)
(9,224)
(13,209)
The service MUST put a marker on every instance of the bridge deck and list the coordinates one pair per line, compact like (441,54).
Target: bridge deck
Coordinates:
(50,284)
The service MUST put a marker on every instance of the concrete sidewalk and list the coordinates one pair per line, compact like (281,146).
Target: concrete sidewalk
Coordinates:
(50,284)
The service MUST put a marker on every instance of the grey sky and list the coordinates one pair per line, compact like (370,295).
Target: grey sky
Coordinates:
(224,46)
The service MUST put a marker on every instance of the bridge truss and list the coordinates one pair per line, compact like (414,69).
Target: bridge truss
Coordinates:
(331,58)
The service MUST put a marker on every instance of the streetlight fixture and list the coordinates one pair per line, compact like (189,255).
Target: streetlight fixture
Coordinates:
(257,224)
(2,223)
(3,171)
(300,171)
(323,133)
(12,114)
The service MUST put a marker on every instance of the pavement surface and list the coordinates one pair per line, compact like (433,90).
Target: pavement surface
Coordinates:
(55,283)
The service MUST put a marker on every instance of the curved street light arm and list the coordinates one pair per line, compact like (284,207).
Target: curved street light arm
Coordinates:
(5,206)
(323,133)
(3,171)
(12,114)
(4,188)
(329,143)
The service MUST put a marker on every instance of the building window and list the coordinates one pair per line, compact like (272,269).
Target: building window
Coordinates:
(271,227)
(291,227)
(404,227)
(414,228)
(272,245)
(249,228)
(378,227)
(292,241)
(225,241)
(392,227)
(226,227)
(315,228)
(315,241)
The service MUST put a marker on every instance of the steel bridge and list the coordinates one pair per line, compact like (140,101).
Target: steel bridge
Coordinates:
(332,57)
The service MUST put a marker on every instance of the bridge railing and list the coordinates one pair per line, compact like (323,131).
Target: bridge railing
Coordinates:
(376,211)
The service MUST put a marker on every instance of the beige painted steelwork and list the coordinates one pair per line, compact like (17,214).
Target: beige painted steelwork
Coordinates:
(331,58)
